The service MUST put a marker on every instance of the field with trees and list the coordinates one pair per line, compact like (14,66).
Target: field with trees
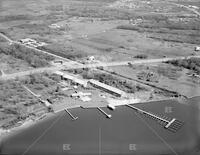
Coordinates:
(163,28)
(33,58)
(191,64)
(109,79)
(17,104)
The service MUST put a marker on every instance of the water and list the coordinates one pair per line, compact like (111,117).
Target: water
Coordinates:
(126,132)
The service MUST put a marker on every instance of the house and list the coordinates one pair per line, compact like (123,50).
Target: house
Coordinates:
(197,48)
(32,42)
(91,58)
(58,62)
(27,40)
(78,94)
(83,96)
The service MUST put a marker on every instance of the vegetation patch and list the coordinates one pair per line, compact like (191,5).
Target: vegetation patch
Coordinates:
(183,30)
(192,64)
(33,58)
(141,56)
(63,51)
(13,100)
(109,79)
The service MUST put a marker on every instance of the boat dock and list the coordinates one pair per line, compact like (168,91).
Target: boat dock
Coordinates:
(172,125)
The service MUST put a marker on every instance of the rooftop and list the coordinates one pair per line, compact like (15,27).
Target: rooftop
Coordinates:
(105,86)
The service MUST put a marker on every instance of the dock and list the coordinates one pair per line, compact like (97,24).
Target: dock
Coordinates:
(103,112)
(172,125)
(70,114)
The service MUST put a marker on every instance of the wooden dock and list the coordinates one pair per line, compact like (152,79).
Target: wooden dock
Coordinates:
(172,125)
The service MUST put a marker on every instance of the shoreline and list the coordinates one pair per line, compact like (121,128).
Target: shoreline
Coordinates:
(29,122)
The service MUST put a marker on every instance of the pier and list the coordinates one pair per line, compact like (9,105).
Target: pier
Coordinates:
(172,125)
(102,111)
(70,114)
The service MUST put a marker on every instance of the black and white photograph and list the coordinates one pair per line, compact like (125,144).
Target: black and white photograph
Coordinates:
(99,77)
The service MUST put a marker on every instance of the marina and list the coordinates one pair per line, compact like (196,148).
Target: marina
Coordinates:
(125,126)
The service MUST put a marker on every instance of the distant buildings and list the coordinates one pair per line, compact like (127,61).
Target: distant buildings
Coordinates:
(54,26)
(193,7)
(32,42)
(91,58)
(197,48)
(60,62)
(136,21)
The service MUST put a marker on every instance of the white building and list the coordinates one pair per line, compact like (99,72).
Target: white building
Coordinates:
(72,78)
(59,73)
(117,102)
(83,96)
(91,58)
(27,40)
(78,94)
(197,48)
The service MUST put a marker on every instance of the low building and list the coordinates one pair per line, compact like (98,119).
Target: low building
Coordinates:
(197,48)
(91,58)
(54,26)
(27,40)
(59,73)
(60,62)
(119,102)
(72,78)
(78,94)
(45,102)
(85,98)
(32,42)
(107,88)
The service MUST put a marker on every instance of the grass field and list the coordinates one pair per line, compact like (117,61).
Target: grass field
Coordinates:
(89,27)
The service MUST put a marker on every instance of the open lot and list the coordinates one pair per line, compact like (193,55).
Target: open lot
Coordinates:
(97,27)
(163,76)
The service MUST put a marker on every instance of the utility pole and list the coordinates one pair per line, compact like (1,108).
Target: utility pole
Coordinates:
(65,24)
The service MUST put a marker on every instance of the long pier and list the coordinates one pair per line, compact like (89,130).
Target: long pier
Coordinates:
(172,125)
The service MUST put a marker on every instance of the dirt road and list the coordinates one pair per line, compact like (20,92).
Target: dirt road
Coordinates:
(69,64)
(181,6)
(188,8)
(78,66)
(5,37)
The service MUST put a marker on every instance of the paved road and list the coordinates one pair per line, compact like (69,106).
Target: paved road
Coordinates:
(121,63)
(29,72)
(78,66)
(69,64)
